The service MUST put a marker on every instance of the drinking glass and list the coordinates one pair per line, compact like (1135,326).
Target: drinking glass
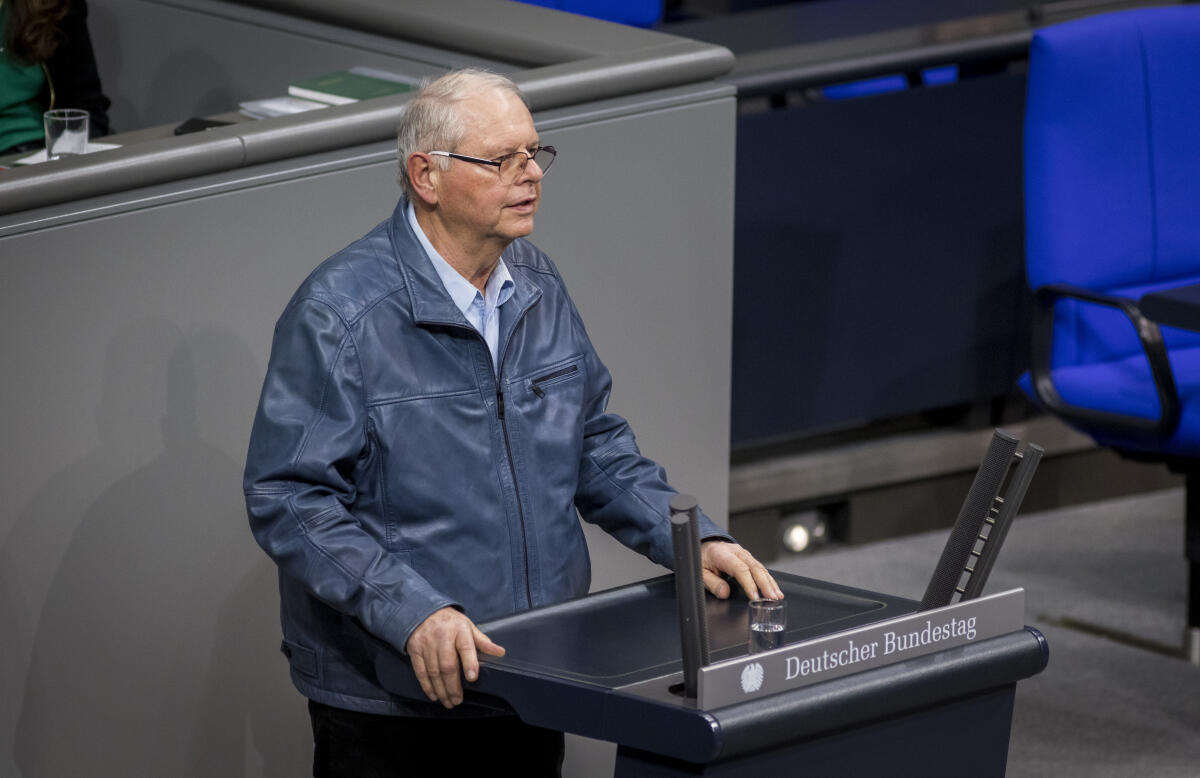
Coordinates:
(768,619)
(66,132)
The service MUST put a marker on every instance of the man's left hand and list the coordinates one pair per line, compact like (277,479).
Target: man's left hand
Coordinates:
(719,557)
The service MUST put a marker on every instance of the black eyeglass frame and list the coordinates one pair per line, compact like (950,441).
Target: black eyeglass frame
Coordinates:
(498,162)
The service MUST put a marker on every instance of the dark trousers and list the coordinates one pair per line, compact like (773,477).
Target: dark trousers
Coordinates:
(349,744)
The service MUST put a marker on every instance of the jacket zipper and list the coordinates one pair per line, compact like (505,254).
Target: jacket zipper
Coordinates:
(512,469)
(536,383)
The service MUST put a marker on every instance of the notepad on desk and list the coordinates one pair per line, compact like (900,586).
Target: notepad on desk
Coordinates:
(39,156)
(349,86)
(277,106)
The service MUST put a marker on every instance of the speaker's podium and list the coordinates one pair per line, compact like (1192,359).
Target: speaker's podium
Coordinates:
(608,666)
(865,683)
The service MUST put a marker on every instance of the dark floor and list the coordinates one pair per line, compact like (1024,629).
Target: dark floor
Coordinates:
(1105,582)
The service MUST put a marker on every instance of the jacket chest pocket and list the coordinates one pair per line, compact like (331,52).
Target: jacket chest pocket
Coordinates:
(557,381)
(539,384)
(550,405)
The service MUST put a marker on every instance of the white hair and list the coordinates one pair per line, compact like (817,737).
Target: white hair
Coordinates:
(432,120)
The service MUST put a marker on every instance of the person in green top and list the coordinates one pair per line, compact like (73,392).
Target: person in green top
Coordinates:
(46,61)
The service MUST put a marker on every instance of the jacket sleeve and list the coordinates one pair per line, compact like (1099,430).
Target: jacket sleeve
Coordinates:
(310,431)
(620,490)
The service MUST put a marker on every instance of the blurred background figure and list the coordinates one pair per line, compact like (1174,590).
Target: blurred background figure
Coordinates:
(46,61)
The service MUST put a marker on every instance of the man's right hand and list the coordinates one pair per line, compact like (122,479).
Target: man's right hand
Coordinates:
(440,646)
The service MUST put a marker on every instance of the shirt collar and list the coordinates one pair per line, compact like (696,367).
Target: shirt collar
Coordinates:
(499,286)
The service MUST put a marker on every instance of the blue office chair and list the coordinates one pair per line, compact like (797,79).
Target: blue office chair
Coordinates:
(637,13)
(1112,212)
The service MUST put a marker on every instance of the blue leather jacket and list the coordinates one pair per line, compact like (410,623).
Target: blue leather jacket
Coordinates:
(390,473)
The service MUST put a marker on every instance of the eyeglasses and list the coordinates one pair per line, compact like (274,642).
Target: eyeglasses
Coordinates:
(511,166)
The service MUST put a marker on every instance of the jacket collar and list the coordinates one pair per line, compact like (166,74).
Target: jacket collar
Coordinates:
(431,304)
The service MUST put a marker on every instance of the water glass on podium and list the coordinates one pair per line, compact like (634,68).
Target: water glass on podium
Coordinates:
(768,620)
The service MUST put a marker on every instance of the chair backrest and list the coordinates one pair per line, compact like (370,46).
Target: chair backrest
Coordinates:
(638,13)
(1112,161)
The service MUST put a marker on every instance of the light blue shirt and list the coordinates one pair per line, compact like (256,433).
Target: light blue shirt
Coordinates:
(481,310)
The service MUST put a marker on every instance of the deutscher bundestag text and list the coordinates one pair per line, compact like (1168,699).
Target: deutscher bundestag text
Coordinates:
(892,643)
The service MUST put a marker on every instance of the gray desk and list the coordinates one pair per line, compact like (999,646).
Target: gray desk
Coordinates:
(133,137)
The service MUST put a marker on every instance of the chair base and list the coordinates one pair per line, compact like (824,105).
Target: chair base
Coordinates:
(1191,546)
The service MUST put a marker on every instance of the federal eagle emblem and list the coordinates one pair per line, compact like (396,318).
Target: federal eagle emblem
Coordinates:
(752,677)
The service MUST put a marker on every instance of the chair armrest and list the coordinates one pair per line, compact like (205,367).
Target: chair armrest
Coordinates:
(1149,335)
(1177,307)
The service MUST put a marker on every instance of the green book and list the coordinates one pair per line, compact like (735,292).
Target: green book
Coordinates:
(345,87)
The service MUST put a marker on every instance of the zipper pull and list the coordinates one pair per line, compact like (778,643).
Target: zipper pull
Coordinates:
(500,401)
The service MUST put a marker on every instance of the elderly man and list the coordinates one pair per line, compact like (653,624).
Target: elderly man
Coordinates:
(432,424)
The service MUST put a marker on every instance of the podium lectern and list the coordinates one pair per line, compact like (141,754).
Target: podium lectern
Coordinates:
(607,666)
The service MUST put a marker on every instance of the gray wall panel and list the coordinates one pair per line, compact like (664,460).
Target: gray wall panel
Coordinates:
(141,619)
